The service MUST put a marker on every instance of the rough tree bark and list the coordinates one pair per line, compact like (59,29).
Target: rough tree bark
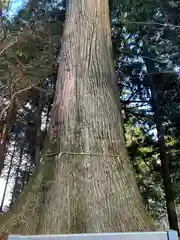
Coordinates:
(85,182)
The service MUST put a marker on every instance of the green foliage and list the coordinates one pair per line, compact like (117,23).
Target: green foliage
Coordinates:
(146,43)
(33,41)
(144,159)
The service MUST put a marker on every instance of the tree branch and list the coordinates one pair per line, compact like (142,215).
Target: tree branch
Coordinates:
(151,23)
(13,98)
(138,115)
(11,40)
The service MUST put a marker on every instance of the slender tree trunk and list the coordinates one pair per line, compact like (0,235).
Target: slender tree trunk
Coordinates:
(158,120)
(17,186)
(86,182)
(168,187)
(26,174)
(49,107)
(38,129)
(8,176)
(5,132)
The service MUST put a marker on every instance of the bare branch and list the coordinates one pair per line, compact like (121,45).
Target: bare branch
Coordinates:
(7,43)
(13,98)
(11,40)
(151,23)
(42,90)
(139,115)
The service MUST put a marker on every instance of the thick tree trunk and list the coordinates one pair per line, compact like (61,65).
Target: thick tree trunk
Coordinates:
(86,183)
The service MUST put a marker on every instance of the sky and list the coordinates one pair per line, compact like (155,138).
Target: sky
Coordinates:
(14,6)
